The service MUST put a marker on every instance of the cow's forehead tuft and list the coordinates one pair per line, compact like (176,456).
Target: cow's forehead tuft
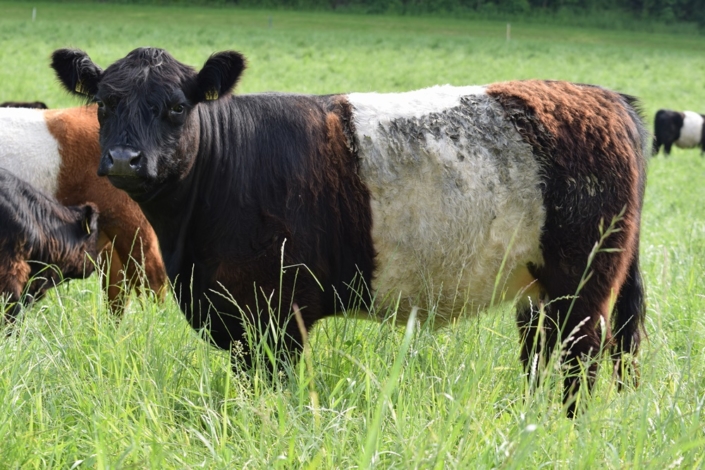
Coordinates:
(145,67)
(149,56)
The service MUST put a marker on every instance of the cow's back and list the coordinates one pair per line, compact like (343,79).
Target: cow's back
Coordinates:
(27,148)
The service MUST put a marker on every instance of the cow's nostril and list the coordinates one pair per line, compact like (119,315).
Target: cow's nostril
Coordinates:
(135,161)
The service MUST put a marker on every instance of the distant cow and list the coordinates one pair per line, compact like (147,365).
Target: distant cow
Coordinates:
(57,151)
(447,198)
(41,242)
(686,130)
(24,104)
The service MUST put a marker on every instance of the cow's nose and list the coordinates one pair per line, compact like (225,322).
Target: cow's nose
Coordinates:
(120,161)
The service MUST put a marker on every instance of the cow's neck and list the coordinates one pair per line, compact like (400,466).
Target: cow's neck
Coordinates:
(171,217)
(172,211)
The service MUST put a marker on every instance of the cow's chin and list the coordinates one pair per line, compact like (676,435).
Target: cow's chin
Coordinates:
(139,189)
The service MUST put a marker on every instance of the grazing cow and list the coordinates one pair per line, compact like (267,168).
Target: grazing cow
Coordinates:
(41,242)
(24,104)
(444,198)
(686,130)
(57,151)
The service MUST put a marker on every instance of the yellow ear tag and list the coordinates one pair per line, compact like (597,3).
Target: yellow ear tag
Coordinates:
(81,88)
(87,226)
(212,95)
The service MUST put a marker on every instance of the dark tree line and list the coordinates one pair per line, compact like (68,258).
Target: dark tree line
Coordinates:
(662,10)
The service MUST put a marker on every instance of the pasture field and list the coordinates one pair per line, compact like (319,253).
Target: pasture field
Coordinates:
(80,390)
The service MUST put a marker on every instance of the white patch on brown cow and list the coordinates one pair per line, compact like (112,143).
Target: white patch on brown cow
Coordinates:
(27,149)
(456,203)
(692,130)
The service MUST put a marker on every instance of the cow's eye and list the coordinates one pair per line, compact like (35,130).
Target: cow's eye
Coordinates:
(100,103)
(177,109)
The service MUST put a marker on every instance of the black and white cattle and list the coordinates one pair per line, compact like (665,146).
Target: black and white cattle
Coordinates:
(685,129)
(41,242)
(24,104)
(447,198)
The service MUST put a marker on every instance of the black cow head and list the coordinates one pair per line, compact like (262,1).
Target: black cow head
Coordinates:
(147,109)
(65,258)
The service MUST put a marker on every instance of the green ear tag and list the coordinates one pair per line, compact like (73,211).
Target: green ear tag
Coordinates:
(212,95)
(81,88)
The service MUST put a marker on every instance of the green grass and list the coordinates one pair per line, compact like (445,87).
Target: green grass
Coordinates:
(77,389)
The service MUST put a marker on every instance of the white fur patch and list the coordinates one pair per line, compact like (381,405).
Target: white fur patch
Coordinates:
(692,130)
(456,203)
(27,149)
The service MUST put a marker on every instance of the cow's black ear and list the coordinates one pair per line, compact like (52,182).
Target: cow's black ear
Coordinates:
(219,75)
(76,71)
(89,219)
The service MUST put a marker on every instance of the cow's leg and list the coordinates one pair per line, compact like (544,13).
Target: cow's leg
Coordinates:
(254,345)
(575,330)
(138,261)
(537,338)
(575,324)
(13,278)
(136,245)
(667,148)
(266,332)
(145,267)
(112,277)
(580,297)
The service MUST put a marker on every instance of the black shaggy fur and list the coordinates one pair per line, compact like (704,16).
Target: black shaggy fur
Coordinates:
(41,242)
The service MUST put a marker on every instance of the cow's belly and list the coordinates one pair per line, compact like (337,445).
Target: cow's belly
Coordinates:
(692,130)
(27,148)
(456,202)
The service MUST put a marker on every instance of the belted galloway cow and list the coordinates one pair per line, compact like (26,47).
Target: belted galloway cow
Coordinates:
(445,198)
(41,242)
(684,129)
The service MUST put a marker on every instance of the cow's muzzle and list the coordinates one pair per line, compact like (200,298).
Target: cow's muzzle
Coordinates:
(121,161)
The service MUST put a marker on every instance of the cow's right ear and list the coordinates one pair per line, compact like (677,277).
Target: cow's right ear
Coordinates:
(77,72)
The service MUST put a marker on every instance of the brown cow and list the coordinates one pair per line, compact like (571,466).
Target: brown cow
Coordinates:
(57,151)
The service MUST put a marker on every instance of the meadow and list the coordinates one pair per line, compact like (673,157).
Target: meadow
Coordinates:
(81,390)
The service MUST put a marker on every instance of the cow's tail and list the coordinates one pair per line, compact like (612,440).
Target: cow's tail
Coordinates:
(636,114)
(628,320)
